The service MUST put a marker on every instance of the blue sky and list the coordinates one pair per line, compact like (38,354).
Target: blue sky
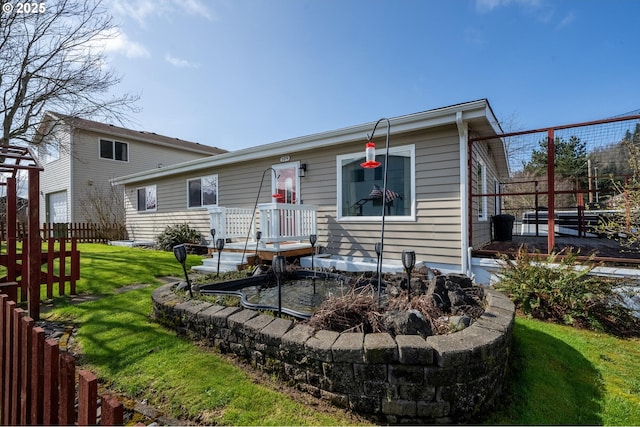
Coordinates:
(240,73)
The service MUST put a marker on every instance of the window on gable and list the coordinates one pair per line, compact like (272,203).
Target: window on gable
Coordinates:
(52,151)
(202,191)
(147,199)
(360,190)
(114,150)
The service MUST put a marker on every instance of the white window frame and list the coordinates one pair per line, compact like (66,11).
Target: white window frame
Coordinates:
(52,150)
(481,184)
(149,189)
(113,149)
(377,218)
(201,178)
(288,165)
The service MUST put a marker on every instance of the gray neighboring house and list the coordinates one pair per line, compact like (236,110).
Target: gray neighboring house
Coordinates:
(80,156)
(432,175)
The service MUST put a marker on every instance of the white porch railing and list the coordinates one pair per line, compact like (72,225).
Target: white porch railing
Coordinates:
(278,222)
(283,222)
(231,223)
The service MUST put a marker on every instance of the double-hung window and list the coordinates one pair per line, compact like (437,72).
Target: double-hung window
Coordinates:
(147,199)
(202,191)
(360,190)
(114,150)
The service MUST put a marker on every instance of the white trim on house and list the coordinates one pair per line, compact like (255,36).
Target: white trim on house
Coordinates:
(463,132)
(147,192)
(202,178)
(287,165)
(481,184)
(411,148)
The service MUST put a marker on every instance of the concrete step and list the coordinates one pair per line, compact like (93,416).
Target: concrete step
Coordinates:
(229,261)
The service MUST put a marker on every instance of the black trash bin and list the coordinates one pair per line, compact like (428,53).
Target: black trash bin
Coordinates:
(503,227)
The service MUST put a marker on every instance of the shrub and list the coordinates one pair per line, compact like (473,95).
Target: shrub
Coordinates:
(561,290)
(177,234)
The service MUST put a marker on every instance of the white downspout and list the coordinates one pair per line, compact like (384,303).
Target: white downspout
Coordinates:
(465,253)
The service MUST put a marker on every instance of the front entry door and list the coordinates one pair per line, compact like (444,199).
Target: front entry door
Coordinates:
(287,183)
(286,186)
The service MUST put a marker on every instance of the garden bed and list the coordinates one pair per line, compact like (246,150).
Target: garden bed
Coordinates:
(394,378)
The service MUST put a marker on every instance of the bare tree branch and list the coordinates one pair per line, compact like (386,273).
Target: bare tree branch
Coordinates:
(55,60)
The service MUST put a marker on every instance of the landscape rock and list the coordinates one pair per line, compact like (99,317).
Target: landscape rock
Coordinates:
(410,322)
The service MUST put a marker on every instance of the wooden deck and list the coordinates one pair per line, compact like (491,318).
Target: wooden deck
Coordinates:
(267,252)
(607,250)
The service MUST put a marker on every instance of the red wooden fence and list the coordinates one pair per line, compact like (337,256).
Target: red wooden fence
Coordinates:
(85,232)
(63,252)
(38,382)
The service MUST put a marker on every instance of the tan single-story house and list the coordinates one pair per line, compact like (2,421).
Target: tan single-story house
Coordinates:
(315,185)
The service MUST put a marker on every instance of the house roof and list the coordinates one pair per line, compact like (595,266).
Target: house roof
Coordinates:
(130,134)
(478,114)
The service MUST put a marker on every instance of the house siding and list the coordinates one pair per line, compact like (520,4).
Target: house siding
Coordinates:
(435,235)
(84,169)
(56,175)
(482,228)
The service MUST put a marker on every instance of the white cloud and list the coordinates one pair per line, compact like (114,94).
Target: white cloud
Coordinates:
(140,10)
(110,42)
(119,43)
(568,19)
(542,10)
(195,7)
(179,62)
(489,5)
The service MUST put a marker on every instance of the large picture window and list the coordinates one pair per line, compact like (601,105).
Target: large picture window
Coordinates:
(114,150)
(147,199)
(202,191)
(360,190)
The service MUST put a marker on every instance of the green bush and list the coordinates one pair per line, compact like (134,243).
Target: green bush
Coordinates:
(560,289)
(177,234)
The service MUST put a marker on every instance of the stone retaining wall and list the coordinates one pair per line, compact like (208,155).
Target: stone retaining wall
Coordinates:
(407,379)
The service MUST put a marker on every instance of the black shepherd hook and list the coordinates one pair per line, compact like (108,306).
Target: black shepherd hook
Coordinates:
(255,206)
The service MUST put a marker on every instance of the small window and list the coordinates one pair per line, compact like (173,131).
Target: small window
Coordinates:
(481,189)
(360,190)
(52,150)
(147,200)
(202,191)
(114,150)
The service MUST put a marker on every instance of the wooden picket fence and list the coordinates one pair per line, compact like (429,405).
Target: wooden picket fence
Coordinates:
(63,252)
(85,232)
(38,381)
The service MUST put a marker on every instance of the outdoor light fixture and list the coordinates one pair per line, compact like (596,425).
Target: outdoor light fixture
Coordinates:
(219,248)
(279,264)
(370,162)
(408,261)
(258,237)
(213,236)
(302,170)
(313,239)
(180,252)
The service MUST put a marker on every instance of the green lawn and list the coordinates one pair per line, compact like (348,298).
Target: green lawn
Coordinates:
(560,375)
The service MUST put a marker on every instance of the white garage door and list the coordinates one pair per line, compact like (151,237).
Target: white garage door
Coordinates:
(58,207)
